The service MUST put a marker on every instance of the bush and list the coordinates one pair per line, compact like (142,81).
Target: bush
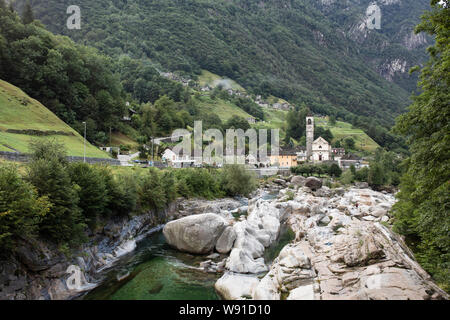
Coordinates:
(151,194)
(199,183)
(48,172)
(334,170)
(169,186)
(92,190)
(21,209)
(362,175)
(376,176)
(48,149)
(64,221)
(347,177)
(236,180)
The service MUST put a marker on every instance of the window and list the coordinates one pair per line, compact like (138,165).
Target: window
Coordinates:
(309,121)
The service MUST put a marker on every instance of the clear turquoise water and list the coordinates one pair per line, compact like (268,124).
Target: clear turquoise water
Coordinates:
(156,272)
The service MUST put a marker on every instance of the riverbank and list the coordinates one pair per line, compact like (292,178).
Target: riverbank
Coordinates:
(296,240)
(38,270)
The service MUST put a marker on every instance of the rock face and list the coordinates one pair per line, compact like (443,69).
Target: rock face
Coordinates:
(259,230)
(196,234)
(313,183)
(236,286)
(226,240)
(298,181)
(221,207)
(341,251)
(38,270)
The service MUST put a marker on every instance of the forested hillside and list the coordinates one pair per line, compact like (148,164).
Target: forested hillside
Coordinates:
(73,81)
(394,48)
(289,48)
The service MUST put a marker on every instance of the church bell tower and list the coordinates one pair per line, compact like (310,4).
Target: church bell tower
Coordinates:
(309,137)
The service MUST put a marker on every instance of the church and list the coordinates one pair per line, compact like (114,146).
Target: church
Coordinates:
(316,150)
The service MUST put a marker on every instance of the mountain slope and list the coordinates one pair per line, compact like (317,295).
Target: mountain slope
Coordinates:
(290,48)
(394,48)
(23,118)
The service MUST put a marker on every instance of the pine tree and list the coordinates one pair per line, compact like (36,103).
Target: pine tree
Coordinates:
(27,15)
(2,4)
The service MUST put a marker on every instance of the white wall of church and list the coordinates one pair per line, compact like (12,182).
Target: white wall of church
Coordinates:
(321,150)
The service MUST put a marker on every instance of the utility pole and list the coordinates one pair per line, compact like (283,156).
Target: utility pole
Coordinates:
(84,157)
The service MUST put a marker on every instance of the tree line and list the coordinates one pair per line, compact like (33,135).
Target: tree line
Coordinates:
(60,201)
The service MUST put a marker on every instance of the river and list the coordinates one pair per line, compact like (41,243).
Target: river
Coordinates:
(155,271)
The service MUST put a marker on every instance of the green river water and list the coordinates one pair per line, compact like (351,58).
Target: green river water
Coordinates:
(155,271)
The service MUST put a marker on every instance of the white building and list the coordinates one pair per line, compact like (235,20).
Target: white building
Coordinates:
(321,150)
(169,156)
(302,155)
(173,160)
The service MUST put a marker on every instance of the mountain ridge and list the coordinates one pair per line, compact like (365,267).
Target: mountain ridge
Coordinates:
(289,49)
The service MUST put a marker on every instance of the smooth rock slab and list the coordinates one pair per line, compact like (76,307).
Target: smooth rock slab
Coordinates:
(236,286)
(226,240)
(196,234)
(240,261)
(302,293)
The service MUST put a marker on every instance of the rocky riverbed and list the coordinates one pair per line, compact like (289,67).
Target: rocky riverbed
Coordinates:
(343,249)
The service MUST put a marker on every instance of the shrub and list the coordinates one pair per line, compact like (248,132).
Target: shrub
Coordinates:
(347,177)
(48,149)
(64,221)
(21,209)
(92,191)
(150,191)
(362,174)
(334,170)
(236,180)
(199,183)
(376,176)
(169,185)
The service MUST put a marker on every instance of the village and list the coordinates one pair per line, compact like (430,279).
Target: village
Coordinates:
(316,151)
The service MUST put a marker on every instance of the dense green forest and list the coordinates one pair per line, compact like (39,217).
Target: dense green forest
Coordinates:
(73,81)
(79,84)
(76,82)
(268,47)
(422,212)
